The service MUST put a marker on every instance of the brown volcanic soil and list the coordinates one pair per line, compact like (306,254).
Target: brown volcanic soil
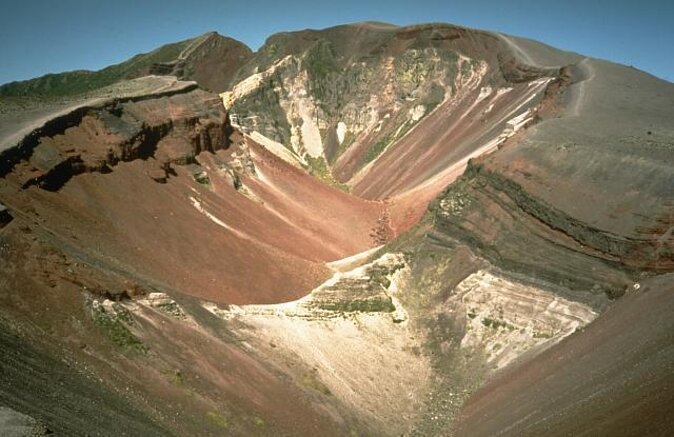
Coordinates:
(616,378)
(18,118)
(330,224)
(180,247)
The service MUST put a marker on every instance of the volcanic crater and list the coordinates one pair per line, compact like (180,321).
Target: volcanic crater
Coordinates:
(366,229)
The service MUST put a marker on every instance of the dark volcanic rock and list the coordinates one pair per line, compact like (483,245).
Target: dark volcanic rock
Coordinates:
(5,216)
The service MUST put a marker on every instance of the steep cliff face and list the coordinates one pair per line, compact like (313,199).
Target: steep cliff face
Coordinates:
(521,233)
(323,98)
(171,130)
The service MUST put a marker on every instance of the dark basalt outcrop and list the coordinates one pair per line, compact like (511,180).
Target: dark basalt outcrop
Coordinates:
(5,216)
(520,233)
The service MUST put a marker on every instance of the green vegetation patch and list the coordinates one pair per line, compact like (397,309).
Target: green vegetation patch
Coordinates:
(349,138)
(312,381)
(372,305)
(113,325)
(413,68)
(435,96)
(258,421)
(202,178)
(320,63)
(320,169)
(264,104)
(466,68)
(376,149)
(496,324)
(177,377)
(379,276)
(78,82)
(218,419)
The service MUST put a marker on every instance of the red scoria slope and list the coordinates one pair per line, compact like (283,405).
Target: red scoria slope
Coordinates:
(146,188)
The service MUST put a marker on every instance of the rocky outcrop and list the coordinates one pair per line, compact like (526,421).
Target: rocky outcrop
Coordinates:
(520,232)
(366,289)
(163,303)
(482,214)
(643,253)
(611,378)
(97,138)
(506,319)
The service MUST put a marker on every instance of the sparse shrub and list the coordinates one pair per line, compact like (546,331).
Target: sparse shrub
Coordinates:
(494,323)
(311,380)
(113,326)
(376,149)
(320,169)
(218,419)
(373,305)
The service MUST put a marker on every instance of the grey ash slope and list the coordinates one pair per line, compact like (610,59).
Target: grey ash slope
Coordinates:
(67,400)
(606,160)
(602,173)
(620,119)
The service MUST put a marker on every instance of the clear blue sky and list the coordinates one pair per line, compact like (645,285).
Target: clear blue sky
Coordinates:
(38,37)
